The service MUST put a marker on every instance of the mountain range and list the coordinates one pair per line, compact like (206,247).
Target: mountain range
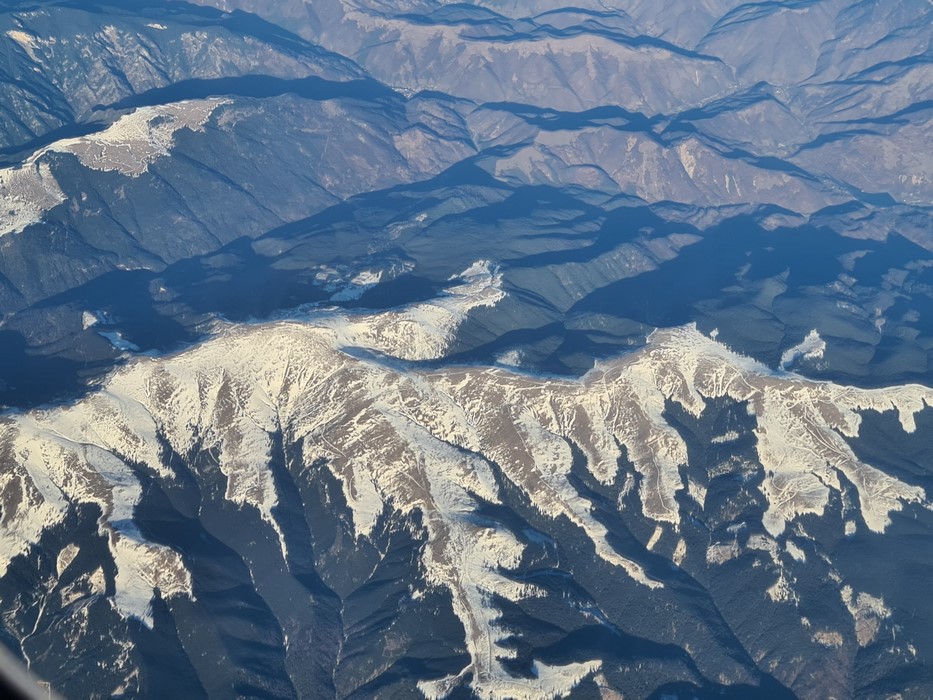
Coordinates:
(487,349)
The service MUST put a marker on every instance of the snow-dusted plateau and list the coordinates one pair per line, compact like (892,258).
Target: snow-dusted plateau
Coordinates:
(495,349)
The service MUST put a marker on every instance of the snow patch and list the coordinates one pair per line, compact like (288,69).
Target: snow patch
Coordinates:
(810,348)
(867,611)
(118,341)
(423,331)
(795,552)
(88,320)
(680,551)
(655,536)
(781,591)
(358,286)
(828,638)
(511,358)
(728,436)
(65,557)
(127,146)
(134,141)
(26,193)
(30,43)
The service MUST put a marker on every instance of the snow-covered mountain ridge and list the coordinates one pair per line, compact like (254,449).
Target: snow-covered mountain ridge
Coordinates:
(403,438)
